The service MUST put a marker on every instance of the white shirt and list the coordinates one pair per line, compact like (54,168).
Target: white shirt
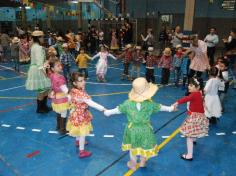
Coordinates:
(211,40)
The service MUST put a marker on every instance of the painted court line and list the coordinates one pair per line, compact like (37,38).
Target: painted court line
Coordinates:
(220,134)
(9,68)
(20,128)
(91,135)
(108,136)
(53,132)
(234,132)
(164,137)
(6,125)
(36,130)
(2,90)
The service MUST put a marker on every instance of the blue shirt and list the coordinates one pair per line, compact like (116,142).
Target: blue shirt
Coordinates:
(66,58)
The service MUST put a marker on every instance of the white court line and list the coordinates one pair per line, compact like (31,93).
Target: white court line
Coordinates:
(108,84)
(36,130)
(20,128)
(91,135)
(164,137)
(9,68)
(6,125)
(2,90)
(220,134)
(53,132)
(234,132)
(108,136)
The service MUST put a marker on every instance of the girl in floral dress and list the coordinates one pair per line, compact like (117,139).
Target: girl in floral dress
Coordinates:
(139,138)
(196,124)
(101,67)
(79,122)
(59,94)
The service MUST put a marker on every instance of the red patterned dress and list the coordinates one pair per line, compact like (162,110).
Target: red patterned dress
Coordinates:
(79,122)
(196,124)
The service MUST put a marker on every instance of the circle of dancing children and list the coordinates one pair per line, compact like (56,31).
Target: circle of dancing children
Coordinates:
(139,138)
(213,107)
(79,121)
(102,64)
(196,124)
(59,94)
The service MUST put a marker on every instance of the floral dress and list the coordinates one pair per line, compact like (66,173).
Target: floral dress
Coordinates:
(79,122)
(139,136)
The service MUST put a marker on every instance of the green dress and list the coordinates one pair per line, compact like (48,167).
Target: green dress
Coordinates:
(139,136)
(36,78)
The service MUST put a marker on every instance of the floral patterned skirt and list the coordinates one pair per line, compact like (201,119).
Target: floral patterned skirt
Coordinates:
(195,125)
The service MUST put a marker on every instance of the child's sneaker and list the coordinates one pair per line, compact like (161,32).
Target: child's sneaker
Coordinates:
(84,154)
(142,162)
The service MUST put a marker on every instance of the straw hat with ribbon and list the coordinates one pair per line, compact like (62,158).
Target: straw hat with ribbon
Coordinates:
(167,52)
(37,33)
(142,90)
(60,39)
(15,40)
(138,47)
(128,46)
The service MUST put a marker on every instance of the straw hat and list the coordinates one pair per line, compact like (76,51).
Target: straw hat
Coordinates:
(64,45)
(128,46)
(52,50)
(167,52)
(178,46)
(138,47)
(37,33)
(142,90)
(150,49)
(15,40)
(60,39)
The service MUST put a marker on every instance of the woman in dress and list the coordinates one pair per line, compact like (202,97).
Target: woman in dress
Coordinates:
(37,79)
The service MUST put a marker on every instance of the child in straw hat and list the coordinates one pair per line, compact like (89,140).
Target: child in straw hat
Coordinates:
(151,61)
(127,58)
(137,60)
(166,65)
(139,138)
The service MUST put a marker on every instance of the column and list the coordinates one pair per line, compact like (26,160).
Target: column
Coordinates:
(189,14)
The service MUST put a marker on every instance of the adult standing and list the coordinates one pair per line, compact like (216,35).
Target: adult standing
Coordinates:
(5,43)
(199,62)
(230,47)
(211,40)
(148,41)
(37,79)
(177,38)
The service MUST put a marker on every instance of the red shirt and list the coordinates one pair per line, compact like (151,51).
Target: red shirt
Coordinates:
(151,61)
(196,102)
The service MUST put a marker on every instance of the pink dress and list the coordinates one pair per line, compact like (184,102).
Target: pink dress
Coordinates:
(59,98)
(200,61)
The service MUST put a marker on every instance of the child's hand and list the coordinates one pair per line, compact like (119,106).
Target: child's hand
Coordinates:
(175,105)
(107,113)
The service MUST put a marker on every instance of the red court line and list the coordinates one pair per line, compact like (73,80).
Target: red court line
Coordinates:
(16,107)
(30,155)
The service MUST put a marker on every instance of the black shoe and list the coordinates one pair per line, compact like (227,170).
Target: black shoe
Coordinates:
(194,143)
(213,120)
(183,156)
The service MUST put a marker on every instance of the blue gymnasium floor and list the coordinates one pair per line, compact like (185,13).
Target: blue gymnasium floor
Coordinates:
(30,147)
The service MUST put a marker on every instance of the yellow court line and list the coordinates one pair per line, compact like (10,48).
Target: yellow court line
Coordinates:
(31,98)
(130,172)
(3,79)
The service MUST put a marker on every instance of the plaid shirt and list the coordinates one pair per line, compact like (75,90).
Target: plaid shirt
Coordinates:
(165,62)
(66,58)
(151,61)
(137,58)
(127,56)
